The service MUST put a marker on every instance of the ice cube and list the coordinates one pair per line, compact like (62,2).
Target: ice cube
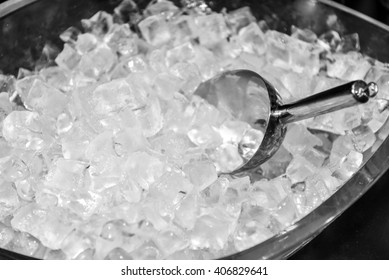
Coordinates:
(233,131)
(171,144)
(211,29)
(235,195)
(331,39)
(298,139)
(150,117)
(206,61)
(147,251)
(46,225)
(131,191)
(305,197)
(252,39)
(9,200)
(128,11)
(82,203)
(14,168)
(314,156)
(349,43)
(118,254)
(299,169)
(168,192)
(189,74)
(66,174)
(323,83)
(298,84)
(106,102)
(269,194)
(277,164)
(157,60)
(255,226)
(23,129)
(143,168)
(75,243)
(305,35)
(54,255)
(278,53)
(123,41)
(166,85)
(25,244)
(378,120)
(68,58)
(286,214)
(155,30)
(99,24)
(25,189)
(64,123)
(187,212)
(214,193)
(45,99)
(136,64)
(97,62)
(205,136)
(180,53)
(100,148)
(239,18)
(212,230)
(86,42)
(129,140)
(227,158)
(70,35)
(383,85)
(340,148)
(170,242)
(7,83)
(346,119)
(201,173)
(57,77)
(75,142)
(5,106)
(183,29)
(351,66)
(363,138)
(348,165)
(6,235)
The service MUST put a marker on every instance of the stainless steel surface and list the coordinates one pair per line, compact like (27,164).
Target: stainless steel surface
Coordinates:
(251,98)
(334,99)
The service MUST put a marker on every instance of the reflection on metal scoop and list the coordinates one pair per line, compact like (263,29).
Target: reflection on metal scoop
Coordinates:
(250,98)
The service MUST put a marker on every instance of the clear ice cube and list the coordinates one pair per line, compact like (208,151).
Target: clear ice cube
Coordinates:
(9,200)
(211,29)
(68,58)
(239,18)
(252,39)
(45,99)
(23,129)
(43,224)
(201,173)
(155,30)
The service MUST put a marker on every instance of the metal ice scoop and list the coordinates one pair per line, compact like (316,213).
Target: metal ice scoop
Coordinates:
(250,98)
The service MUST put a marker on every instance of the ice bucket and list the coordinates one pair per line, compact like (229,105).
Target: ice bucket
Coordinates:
(27,26)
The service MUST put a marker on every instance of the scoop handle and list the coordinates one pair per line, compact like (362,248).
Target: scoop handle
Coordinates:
(331,100)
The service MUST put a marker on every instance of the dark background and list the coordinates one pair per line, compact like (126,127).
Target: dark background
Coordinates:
(362,232)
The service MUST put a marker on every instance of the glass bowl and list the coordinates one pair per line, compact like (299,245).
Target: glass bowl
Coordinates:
(28,25)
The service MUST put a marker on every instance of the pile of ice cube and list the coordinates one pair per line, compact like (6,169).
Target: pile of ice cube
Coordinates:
(108,155)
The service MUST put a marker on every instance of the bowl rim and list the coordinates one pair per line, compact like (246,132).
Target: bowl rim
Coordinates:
(11,6)
(302,231)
